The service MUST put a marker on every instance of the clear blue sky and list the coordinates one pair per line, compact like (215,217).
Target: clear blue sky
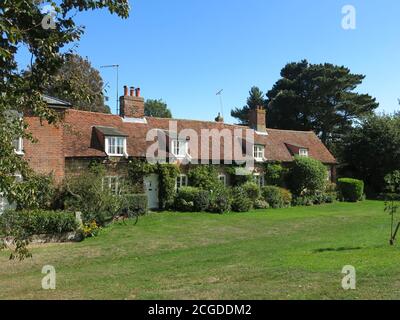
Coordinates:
(184,51)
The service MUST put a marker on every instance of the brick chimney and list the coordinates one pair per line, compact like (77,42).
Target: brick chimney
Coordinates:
(257,119)
(131,105)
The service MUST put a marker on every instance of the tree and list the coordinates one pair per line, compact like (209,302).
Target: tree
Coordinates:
(78,83)
(45,36)
(156,108)
(318,97)
(372,150)
(255,99)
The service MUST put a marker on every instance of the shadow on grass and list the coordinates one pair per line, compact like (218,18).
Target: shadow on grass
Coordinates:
(336,249)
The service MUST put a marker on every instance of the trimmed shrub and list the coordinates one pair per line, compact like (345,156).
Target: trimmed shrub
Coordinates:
(134,204)
(26,223)
(252,190)
(286,197)
(303,201)
(306,175)
(276,197)
(275,174)
(220,201)
(351,190)
(261,204)
(201,201)
(185,197)
(204,177)
(240,200)
(320,198)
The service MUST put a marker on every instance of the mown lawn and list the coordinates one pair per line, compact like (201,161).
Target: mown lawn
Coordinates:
(295,253)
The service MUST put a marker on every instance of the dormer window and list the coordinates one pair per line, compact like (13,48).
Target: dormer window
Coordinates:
(113,140)
(115,146)
(258,152)
(179,148)
(303,152)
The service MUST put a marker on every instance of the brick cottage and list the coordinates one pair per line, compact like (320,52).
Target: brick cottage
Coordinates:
(81,137)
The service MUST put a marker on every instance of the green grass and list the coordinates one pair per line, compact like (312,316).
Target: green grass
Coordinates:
(295,253)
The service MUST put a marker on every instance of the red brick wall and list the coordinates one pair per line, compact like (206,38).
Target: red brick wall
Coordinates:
(47,154)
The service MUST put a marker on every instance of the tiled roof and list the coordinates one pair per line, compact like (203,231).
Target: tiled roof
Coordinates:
(78,136)
(110,131)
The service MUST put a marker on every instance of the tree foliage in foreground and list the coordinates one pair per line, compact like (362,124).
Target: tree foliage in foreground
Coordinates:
(21,24)
(78,83)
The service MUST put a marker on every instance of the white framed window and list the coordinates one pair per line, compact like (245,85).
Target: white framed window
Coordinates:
(259,179)
(113,183)
(303,152)
(222,178)
(258,152)
(19,146)
(181,181)
(115,146)
(179,148)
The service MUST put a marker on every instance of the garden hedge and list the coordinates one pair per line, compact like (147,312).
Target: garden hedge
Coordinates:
(351,190)
(35,222)
(241,202)
(276,197)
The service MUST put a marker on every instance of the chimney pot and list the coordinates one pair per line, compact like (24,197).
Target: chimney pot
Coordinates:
(219,118)
(131,106)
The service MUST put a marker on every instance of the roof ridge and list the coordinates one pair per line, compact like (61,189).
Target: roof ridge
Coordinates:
(196,120)
(94,112)
(297,131)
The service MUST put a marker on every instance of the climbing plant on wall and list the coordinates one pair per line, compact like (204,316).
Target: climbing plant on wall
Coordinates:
(167,175)
(137,170)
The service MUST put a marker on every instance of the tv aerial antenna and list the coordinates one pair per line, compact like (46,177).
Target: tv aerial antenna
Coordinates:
(219,93)
(116,66)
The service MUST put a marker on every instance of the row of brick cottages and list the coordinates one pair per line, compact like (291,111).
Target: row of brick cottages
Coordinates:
(114,139)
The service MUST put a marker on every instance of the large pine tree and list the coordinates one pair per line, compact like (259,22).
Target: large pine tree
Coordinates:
(256,98)
(318,97)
